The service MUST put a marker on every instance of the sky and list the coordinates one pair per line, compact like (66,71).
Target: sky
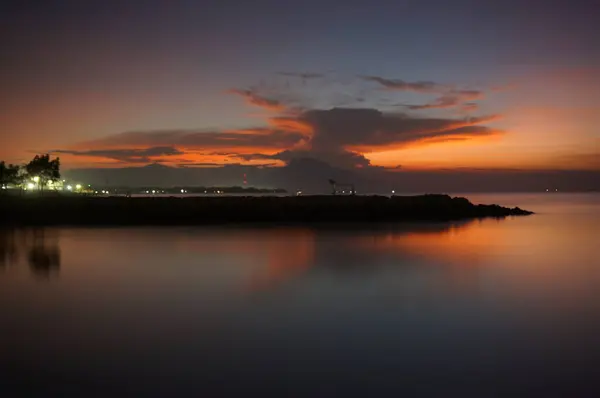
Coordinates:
(382,85)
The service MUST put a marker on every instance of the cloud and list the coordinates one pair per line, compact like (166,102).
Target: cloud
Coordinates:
(340,136)
(397,84)
(340,158)
(347,127)
(263,138)
(253,98)
(452,99)
(303,124)
(219,165)
(305,75)
(144,155)
(469,107)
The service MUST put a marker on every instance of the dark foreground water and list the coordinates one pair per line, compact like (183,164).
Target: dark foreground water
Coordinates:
(488,308)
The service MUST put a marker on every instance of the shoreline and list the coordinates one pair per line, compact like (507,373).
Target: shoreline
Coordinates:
(265,210)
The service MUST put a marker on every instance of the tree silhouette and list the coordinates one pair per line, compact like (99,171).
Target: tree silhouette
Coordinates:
(43,168)
(3,170)
(10,175)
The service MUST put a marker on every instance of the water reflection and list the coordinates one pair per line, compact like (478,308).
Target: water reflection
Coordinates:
(39,246)
(479,307)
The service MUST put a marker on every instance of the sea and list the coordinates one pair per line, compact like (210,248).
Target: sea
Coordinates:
(483,308)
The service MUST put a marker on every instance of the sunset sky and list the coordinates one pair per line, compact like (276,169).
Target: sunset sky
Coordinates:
(426,84)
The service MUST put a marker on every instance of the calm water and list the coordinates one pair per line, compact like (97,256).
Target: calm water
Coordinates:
(478,309)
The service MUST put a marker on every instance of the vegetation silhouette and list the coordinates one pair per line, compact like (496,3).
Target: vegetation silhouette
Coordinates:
(41,169)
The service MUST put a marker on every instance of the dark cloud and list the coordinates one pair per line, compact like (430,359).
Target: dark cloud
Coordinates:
(220,165)
(348,127)
(397,84)
(338,135)
(469,107)
(339,158)
(255,99)
(260,138)
(305,75)
(126,155)
(452,99)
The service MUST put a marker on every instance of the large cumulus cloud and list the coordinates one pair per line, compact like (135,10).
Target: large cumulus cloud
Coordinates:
(340,136)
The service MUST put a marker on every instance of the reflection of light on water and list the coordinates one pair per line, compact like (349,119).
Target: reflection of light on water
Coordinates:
(288,256)
(281,253)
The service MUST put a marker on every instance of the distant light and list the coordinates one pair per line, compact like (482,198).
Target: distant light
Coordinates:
(36,179)
(183,191)
(69,188)
(3,186)
(64,180)
(96,192)
(393,192)
(50,182)
(556,190)
(78,186)
(153,191)
(30,185)
(547,189)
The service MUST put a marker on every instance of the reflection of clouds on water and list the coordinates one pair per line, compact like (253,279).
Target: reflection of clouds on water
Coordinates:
(357,251)
(38,246)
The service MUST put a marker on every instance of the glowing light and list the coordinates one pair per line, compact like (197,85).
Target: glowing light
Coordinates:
(78,186)
(36,179)
(3,186)
(30,185)
(69,188)
(153,191)
(183,191)
(393,192)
